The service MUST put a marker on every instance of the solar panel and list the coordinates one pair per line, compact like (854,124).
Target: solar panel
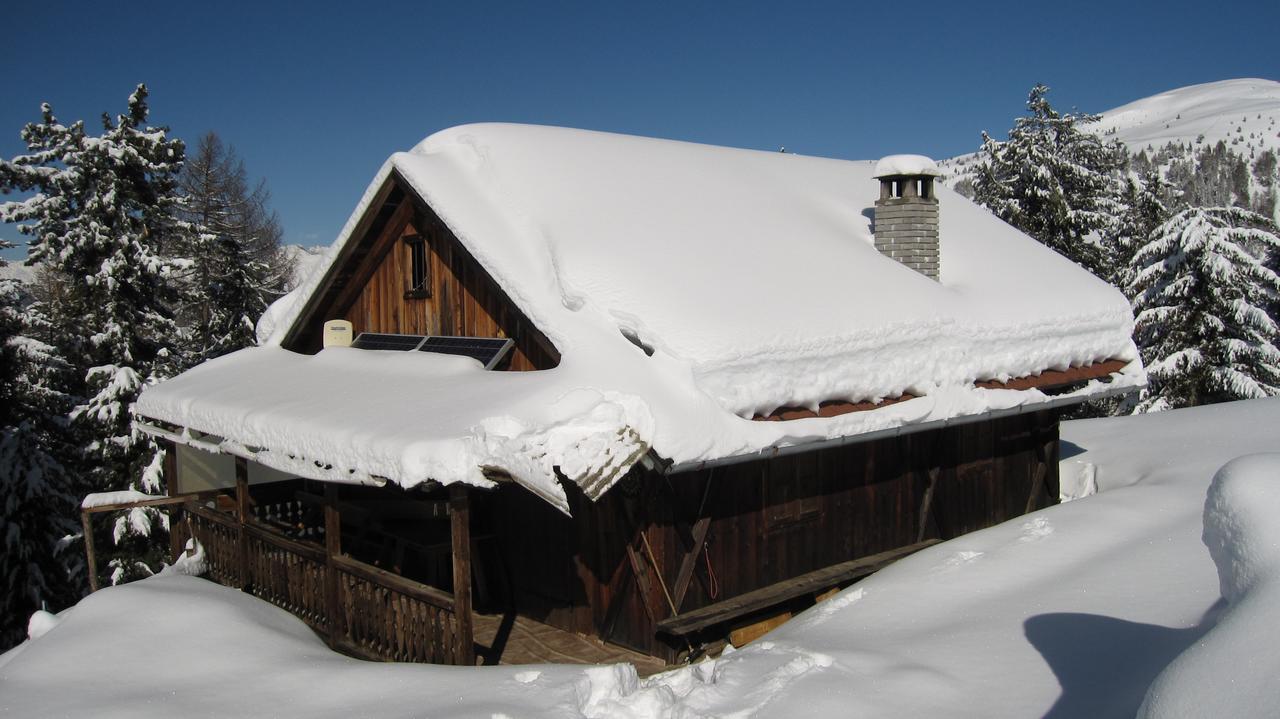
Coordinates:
(489,350)
(379,341)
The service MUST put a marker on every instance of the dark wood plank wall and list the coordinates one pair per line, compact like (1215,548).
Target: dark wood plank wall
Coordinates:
(463,300)
(371,289)
(770,521)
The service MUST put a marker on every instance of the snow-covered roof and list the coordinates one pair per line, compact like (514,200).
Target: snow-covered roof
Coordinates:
(752,278)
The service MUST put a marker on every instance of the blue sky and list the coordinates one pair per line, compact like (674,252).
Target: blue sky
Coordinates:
(315,96)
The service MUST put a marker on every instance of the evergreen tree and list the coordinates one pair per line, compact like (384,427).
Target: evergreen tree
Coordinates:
(1200,290)
(1053,181)
(1145,207)
(237,266)
(101,212)
(37,509)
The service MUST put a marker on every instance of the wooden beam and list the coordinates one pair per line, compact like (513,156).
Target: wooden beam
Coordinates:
(639,569)
(1044,450)
(170,474)
(695,547)
(690,561)
(460,525)
(381,577)
(89,552)
(927,515)
(307,321)
(775,594)
(242,517)
(386,240)
(156,502)
(332,548)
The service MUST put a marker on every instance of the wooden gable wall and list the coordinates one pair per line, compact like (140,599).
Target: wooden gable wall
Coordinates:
(369,285)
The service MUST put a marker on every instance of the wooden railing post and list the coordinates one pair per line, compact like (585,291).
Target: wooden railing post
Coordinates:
(242,515)
(460,524)
(332,548)
(176,543)
(89,552)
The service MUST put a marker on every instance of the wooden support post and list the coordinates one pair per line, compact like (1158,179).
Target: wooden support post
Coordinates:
(242,517)
(460,523)
(176,537)
(332,548)
(89,551)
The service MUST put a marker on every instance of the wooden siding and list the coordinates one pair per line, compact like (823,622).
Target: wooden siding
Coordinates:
(769,521)
(369,286)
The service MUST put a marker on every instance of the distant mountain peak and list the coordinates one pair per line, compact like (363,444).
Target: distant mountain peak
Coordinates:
(1244,113)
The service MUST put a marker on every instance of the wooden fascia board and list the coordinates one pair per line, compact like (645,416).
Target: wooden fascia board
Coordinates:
(382,244)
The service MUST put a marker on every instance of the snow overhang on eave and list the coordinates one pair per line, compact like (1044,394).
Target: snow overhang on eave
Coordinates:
(299,466)
(1049,403)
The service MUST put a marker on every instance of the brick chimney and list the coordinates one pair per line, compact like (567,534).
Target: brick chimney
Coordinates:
(906,224)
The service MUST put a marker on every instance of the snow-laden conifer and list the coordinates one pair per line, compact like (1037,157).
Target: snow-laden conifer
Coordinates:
(1200,292)
(236,264)
(1053,181)
(100,216)
(1144,207)
(36,505)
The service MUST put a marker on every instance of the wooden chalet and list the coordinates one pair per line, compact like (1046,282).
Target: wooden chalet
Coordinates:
(656,554)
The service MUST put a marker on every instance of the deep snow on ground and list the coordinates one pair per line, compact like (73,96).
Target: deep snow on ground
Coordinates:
(1072,611)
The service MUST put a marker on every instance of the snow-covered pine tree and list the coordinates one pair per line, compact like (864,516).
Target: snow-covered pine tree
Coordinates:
(101,212)
(1145,207)
(37,509)
(1053,181)
(237,266)
(1200,291)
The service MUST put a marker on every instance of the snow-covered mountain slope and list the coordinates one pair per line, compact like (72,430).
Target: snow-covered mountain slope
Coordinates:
(305,259)
(1244,113)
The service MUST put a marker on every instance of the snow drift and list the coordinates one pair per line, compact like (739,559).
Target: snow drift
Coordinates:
(1231,671)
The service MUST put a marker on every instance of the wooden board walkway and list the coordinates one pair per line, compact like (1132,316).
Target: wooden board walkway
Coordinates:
(512,639)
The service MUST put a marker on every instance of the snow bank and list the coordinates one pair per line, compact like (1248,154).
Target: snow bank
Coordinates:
(40,623)
(1070,612)
(1232,671)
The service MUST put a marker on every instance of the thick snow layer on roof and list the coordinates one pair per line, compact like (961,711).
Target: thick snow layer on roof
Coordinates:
(752,276)
(905,165)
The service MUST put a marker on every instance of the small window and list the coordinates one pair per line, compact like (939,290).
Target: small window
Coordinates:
(419,282)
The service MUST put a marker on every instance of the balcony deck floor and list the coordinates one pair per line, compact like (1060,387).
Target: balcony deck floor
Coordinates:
(524,641)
